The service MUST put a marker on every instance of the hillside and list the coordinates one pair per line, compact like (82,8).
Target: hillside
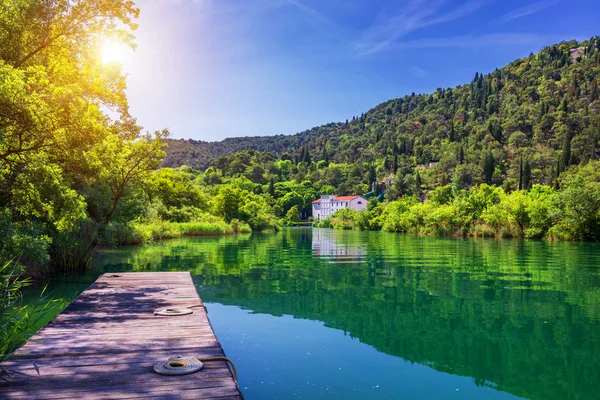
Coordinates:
(199,154)
(537,116)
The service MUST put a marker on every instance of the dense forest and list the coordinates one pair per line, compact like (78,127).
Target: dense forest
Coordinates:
(73,178)
(514,153)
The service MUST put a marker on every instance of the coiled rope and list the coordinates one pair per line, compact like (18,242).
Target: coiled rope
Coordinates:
(176,311)
(176,366)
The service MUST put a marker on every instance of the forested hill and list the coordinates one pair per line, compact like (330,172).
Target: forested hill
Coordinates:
(540,111)
(200,154)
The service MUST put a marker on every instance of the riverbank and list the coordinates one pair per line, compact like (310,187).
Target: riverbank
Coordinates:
(485,211)
(149,232)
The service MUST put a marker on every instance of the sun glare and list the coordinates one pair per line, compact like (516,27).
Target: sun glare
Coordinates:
(113,52)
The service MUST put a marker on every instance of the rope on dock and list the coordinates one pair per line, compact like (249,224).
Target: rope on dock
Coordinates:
(175,311)
(231,364)
(176,366)
(171,311)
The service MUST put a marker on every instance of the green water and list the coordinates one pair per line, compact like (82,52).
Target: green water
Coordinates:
(341,314)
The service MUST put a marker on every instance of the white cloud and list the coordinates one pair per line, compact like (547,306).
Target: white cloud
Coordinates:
(417,14)
(493,39)
(527,10)
(418,72)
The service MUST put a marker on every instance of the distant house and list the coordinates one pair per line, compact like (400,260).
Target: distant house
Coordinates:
(328,204)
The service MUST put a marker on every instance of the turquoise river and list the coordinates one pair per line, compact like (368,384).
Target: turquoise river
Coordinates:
(324,314)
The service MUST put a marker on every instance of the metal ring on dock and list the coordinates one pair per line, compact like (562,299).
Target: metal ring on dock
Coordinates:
(175,366)
(171,312)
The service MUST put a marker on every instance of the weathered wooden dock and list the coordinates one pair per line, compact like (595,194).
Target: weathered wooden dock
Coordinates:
(105,344)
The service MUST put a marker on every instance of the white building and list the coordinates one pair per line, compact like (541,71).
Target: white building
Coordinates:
(328,204)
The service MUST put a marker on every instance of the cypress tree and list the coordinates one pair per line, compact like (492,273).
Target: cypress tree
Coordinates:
(417,181)
(527,176)
(307,156)
(451,134)
(372,174)
(325,155)
(395,166)
(272,187)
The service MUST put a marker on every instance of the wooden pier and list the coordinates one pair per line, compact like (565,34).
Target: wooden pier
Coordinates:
(105,344)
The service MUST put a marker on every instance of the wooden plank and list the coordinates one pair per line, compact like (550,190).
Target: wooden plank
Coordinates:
(105,343)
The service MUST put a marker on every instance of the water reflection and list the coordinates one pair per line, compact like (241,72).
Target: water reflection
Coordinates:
(519,316)
(325,243)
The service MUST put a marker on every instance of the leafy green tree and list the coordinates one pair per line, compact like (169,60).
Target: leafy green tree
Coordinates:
(293,215)
(116,163)
(228,202)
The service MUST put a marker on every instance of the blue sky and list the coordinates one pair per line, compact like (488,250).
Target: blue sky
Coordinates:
(211,69)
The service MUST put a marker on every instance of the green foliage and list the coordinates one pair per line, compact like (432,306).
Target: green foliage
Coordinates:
(66,168)
(11,284)
(16,320)
(487,211)
(542,109)
(293,215)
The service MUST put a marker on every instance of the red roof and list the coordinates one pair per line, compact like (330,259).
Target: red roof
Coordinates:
(346,198)
(340,198)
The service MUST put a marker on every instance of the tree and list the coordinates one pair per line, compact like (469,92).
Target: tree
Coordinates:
(579,209)
(461,155)
(293,215)
(228,202)
(417,182)
(489,165)
(325,155)
(271,189)
(372,174)
(121,159)
(53,93)
(516,205)
(306,157)
(527,175)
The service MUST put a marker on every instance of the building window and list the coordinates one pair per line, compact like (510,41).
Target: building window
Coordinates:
(359,202)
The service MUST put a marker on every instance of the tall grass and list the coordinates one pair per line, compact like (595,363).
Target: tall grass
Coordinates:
(156,230)
(11,284)
(16,320)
